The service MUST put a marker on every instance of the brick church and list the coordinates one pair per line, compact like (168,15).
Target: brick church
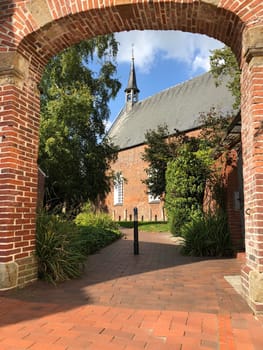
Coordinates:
(178,107)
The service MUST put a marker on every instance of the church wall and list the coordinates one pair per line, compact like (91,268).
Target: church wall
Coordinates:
(132,167)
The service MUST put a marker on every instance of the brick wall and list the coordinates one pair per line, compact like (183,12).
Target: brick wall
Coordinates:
(132,167)
(19,122)
(252,137)
(229,166)
(234,199)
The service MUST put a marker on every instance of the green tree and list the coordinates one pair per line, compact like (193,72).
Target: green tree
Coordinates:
(74,151)
(160,148)
(214,129)
(186,178)
(223,63)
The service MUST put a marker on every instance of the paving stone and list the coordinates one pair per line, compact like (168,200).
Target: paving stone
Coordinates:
(157,300)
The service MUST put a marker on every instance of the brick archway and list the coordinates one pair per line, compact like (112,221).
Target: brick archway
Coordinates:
(33,31)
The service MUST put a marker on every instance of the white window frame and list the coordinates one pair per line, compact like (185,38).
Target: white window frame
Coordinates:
(118,191)
(153,199)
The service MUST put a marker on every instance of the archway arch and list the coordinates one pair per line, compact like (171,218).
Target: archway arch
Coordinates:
(31,32)
(69,25)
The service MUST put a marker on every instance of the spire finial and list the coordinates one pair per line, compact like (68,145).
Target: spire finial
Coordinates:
(133,52)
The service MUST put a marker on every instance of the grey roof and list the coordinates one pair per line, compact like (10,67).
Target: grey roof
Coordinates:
(179,107)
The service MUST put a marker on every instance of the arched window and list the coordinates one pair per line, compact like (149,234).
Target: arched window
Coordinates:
(118,189)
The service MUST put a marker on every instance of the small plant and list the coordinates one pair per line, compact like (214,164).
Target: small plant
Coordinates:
(96,230)
(184,210)
(62,246)
(58,249)
(95,238)
(207,235)
(88,218)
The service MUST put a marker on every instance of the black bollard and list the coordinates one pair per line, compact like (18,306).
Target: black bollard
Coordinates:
(136,235)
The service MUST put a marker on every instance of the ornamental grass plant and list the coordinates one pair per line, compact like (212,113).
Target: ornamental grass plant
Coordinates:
(207,235)
(62,246)
(58,249)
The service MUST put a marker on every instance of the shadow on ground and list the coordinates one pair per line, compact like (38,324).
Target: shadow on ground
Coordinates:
(159,278)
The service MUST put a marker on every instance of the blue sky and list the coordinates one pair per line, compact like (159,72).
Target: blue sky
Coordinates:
(162,59)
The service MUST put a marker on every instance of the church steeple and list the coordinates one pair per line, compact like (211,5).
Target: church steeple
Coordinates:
(132,91)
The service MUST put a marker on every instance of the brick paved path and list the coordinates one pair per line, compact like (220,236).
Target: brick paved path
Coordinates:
(156,300)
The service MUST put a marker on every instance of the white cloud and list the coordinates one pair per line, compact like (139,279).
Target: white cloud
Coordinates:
(192,49)
(201,62)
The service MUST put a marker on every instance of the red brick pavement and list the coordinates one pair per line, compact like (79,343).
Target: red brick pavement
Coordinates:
(156,300)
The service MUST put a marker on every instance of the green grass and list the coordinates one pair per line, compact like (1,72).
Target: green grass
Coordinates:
(154,226)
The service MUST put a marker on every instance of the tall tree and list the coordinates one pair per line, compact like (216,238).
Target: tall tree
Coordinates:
(74,151)
(223,63)
(160,149)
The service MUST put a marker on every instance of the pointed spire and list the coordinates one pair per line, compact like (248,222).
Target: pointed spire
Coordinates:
(132,91)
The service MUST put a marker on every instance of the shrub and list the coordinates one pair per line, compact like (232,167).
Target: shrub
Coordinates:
(100,220)
(186,177)
(88,218)
(207,235)
(58,249)
(95,238)
(183,211)
(62,246)
(96,230)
